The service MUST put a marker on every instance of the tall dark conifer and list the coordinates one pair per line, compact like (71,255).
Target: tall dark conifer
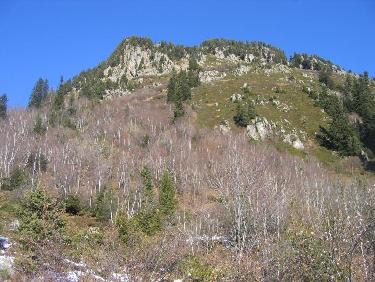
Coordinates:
(39,93)
(3,106)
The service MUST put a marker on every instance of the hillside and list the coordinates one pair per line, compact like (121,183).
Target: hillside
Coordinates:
(225,161)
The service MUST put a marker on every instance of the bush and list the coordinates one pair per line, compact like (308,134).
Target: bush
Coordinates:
(126,229)
(148,221)
(325,76)
(39,219)
(244,114)
(307,257)
(198,271)
(72,205)
(17,179)
(104,205)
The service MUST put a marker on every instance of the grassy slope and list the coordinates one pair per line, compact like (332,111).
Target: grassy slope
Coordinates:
(213,105)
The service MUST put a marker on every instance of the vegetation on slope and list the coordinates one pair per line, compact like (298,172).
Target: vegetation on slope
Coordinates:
(124,188)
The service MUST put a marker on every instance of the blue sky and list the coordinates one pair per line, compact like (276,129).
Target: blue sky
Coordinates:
(50,38)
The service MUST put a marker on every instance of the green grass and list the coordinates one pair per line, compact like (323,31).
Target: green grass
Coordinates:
(212,104)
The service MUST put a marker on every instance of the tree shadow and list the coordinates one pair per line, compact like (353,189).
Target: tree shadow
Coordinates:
(370,166)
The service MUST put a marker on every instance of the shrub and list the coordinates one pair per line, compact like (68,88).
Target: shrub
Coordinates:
(104,205)
(244,114)
(145,140)
(72,205)
(148,221)
(17,179)
(325,76)
(126,229)
(198,271)
(39,218)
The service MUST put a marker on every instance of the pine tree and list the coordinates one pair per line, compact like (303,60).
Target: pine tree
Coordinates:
(147,184)
(179,110)
(325,76)
(39,127)
(3,106)
(340,136)
(39,93)
(167,196)
(244,114)
(179,87)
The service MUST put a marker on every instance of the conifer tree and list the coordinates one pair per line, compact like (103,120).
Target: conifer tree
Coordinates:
(147,183)
(3,106)
(340,136)
(39,127)
(167,195)
(39,93)
(244,114)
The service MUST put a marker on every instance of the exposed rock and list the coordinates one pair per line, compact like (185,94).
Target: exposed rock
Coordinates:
(6,261)
(236,97)
(293,140)
(137,61)
(4,243)
(211,75)
(224,127)
(277,68)
(259,129)
(241,70)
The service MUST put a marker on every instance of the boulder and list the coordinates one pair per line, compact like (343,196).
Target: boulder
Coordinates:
(259,129)
(293,140)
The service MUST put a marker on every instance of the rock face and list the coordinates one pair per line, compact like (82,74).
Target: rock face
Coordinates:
(236,97)
(211,75)
(294,141)
(259,129)
(137,61)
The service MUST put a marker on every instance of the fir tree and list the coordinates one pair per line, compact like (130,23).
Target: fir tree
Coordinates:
(340,136)
(325,76)
(167,195)
(3,106)
(179,87)
(244,114)
(39,127)
(39,93)
(147,183)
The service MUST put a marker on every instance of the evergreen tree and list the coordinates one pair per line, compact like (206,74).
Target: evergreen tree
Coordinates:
(179,110)
(72,205)
(167,195)
(39,93)
(244,114)
(3,106)
(39,127)
(340,136)
(147,184)
(193,72)
(40,218)
(363,101)
(325,76)
(179,87)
